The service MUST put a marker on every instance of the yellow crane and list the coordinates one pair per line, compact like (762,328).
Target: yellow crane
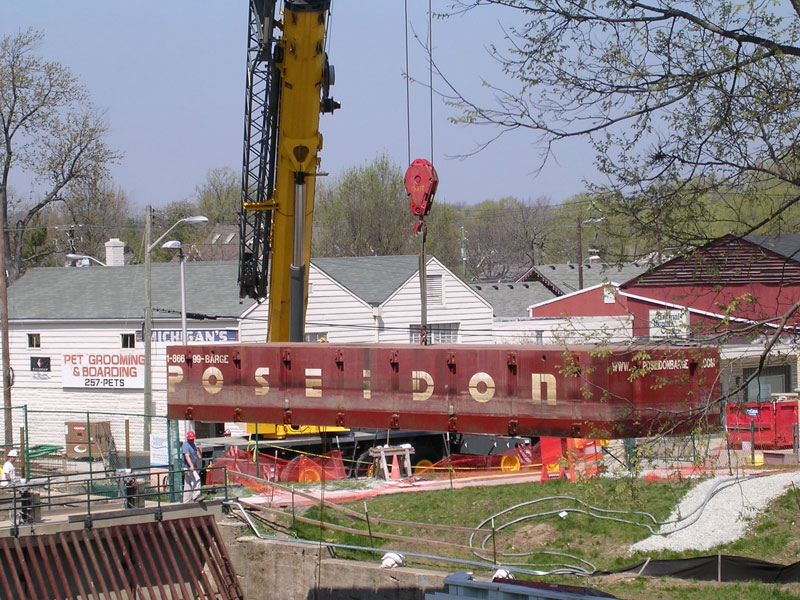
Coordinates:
(288,85)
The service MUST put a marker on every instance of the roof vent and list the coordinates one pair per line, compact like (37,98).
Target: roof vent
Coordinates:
(495,287)
(477,287)
(525,285)
(511,287)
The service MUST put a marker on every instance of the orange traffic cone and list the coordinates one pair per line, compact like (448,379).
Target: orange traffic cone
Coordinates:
(395,469)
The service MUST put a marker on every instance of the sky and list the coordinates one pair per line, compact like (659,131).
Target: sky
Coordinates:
(169,76)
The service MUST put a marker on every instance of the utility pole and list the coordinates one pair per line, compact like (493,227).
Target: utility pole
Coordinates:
(579,221)
(7,424)
(464,251)
(147,328)
(147,331)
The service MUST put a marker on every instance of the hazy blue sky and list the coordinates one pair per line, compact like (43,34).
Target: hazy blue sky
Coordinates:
(170,76)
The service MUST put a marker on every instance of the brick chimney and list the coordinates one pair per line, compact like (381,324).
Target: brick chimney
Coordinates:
(115,253)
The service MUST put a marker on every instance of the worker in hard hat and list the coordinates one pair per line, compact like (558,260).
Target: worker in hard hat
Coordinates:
(190,461)
(8,468)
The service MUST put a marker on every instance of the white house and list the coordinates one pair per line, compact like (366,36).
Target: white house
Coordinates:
(76,333)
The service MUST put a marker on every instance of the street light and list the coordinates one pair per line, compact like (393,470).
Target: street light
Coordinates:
(77,257)
(176,245)
(148,315)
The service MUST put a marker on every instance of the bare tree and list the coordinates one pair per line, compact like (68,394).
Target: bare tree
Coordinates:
(692,106)
(508,236)
(219,196)
(92,211)
(49,132)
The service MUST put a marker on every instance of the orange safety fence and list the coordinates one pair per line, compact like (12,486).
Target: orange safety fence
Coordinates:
(271,468)
(570,458)
(556,458)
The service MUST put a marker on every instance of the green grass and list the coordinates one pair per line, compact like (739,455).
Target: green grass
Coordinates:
(774,536)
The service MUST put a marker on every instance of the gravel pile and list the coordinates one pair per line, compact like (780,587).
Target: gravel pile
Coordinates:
(725,516)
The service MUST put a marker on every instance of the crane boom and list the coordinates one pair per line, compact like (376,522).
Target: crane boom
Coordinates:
(289,78)
(262,88)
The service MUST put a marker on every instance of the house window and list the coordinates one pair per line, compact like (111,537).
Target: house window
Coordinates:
(434,291)
(771,380)
(34,341)
(539,334)
(316,337)
(215,238)
(129,340)
(438,333)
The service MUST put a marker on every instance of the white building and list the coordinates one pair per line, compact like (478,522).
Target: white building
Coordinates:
(76,333)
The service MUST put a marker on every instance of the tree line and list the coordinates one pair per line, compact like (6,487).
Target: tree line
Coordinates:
(363,211)
(693,145)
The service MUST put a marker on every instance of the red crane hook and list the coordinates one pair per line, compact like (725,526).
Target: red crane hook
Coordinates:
(421,182)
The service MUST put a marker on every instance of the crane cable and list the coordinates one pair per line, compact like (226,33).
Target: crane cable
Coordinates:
(430,69)
(408,89)
(429,49)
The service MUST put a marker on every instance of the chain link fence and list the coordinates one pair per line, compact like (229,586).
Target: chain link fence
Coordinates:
(52,442)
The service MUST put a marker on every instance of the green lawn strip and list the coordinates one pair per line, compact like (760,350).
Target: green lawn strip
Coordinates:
(578,534)
(772,536)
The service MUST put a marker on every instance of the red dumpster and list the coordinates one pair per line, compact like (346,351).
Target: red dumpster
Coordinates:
(772,423)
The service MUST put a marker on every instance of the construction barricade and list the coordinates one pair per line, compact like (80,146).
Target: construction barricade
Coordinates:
(570,458)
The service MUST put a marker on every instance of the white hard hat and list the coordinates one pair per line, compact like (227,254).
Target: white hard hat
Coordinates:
(13,454)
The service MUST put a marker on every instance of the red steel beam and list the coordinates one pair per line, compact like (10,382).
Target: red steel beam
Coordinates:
(65,539)
(190,558)
(582,391)
(205,547)
(52,559)
(138,540)
(29,548)
(160,540)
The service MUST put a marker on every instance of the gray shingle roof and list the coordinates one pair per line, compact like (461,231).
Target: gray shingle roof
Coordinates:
(371,278)
(118,292)
(513,299)
(565,277)
(787,245)
(62,293)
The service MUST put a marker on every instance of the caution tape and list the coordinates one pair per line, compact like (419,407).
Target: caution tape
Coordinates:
(253,447)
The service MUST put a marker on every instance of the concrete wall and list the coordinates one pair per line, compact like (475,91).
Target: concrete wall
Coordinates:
(293,571)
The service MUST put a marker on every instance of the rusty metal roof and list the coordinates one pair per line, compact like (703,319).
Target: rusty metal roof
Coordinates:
(730,260)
